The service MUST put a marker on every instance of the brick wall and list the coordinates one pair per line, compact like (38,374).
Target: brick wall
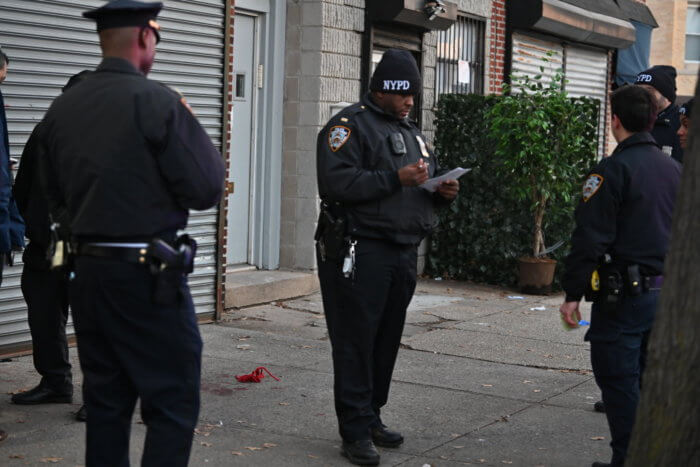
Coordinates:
(323,57)
(228,106)
(497,47)
(428,99)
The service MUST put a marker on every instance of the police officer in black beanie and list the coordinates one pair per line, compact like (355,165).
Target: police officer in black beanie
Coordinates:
(371,160)
(660,80)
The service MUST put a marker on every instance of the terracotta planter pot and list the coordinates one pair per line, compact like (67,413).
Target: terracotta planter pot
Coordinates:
(536,275)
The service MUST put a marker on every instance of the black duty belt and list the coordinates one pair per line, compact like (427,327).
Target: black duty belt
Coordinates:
(130,254)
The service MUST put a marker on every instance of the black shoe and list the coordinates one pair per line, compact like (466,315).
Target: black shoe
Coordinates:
(42,395)
(386,438)
(81,414)
(599,407)
(361,452)
(601,464)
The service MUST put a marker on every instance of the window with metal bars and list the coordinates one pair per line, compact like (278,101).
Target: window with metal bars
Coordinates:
(460,58)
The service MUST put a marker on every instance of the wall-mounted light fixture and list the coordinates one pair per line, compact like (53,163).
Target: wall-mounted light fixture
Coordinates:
(434,8)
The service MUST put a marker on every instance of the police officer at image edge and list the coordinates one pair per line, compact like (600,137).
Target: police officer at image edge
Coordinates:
(623,225)
(660,80)
(45,289)
(370,160)
(126,161)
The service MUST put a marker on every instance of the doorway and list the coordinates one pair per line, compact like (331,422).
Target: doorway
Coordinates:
(246,57)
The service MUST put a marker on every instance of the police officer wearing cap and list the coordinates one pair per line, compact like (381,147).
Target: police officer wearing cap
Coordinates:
(660,81)
(623,225)
(370,160)
(125,162)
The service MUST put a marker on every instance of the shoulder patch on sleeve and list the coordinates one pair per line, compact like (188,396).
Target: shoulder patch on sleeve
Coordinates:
(591,186)
(337,136)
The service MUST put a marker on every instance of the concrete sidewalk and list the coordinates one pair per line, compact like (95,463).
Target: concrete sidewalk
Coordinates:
(482,379)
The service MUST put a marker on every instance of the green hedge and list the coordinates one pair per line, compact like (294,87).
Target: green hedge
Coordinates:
(481,235)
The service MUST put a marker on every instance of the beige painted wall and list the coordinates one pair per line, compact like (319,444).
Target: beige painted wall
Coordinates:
(668,42)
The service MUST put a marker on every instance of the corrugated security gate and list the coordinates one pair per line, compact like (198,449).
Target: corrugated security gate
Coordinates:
(586,70)
(47,41)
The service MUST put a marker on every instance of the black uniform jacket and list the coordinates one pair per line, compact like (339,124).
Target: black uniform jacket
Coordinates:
(625,211)
(31,200)
(359,153)
(665,132)
(126,158)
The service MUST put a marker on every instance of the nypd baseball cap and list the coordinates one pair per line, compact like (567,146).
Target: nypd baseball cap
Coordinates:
(126,13)
(396,73)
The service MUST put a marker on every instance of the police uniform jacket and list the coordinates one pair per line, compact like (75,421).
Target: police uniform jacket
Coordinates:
(625,211)
(31,201)
(11,223)
(665,132)
(126,159)
(359,153)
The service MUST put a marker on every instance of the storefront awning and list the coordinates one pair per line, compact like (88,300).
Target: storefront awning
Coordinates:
(597,22)
(411,13)
(637,12)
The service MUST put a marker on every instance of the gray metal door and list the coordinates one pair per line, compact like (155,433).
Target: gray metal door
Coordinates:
(48,41)
(243,141)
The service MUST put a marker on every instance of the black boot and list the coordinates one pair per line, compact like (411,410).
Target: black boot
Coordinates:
(599,407)
(81,414)
(361,452)
(386,438)
(42,395)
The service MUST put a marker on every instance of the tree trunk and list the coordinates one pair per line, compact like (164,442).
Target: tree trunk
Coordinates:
(667,430)
(538,236)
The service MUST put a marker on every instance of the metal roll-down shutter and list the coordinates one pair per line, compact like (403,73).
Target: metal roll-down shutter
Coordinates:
(48,41)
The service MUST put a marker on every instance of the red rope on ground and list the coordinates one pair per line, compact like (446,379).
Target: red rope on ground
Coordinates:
(256,376)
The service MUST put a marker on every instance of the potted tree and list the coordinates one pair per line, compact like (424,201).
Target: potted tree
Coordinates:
(545,142)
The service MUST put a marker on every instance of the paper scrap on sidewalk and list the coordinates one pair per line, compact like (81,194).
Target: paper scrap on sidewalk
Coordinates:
(432,183)
(515,297)
(538,308)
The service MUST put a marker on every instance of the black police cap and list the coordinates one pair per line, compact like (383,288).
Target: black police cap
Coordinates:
(126,13)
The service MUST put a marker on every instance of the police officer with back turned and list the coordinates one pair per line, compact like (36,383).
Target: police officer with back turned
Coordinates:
(623,225)
(370,161)
(125,162)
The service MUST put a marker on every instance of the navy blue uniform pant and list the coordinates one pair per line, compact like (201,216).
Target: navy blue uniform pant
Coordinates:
(365,317)
(46,294)
(131,348)
(618,356)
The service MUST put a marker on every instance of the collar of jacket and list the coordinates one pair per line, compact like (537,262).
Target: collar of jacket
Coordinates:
(636,139)
(664,117)
(368,102)
(119,65)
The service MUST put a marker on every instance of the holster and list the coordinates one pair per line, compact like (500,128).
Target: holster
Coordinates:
(170,265)
(611,289)
(331,232)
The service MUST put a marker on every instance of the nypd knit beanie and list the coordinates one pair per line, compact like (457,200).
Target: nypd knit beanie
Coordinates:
(662,78)
(396,73)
